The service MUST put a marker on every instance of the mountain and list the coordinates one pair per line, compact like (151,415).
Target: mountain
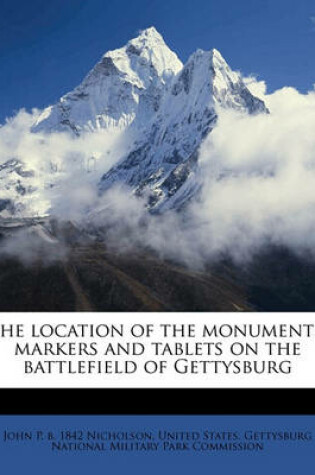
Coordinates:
(141,88)
(124,87)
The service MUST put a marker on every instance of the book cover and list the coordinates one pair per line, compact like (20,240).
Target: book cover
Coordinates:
(157,262)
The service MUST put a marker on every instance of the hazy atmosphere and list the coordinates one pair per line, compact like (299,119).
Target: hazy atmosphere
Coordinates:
(257,174)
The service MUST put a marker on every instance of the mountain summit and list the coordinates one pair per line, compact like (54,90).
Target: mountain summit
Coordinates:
(126,85)
(169,107)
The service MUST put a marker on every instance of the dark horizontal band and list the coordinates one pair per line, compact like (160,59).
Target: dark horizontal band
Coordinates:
(157,401)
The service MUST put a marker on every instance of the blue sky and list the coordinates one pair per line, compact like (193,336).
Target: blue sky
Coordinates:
(46,47)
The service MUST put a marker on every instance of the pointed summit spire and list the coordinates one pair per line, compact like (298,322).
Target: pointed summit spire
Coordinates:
(150,32)
(150,46)
(149,38)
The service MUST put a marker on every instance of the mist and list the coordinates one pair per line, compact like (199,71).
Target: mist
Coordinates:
(65,168)
(257,175)
(259,185)
(258,189)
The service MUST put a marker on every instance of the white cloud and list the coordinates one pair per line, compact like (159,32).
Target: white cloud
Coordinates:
(258,174)
(72,165)
(258,177)
(267,191)
(256,87)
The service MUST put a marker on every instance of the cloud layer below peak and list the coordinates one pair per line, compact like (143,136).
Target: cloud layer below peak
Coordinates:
(257,175)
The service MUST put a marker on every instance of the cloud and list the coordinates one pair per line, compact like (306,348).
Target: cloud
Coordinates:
(59,169)
(33,244)
(256,87)
(257,175)
(260,178)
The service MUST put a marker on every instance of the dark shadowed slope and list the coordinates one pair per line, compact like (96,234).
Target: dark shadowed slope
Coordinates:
(71,272)
(90,279)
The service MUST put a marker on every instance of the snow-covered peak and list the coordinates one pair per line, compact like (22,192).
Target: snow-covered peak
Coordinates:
(148,38)
(209,81)
(150,33)
(151,45)
(145,59)
(124,87)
